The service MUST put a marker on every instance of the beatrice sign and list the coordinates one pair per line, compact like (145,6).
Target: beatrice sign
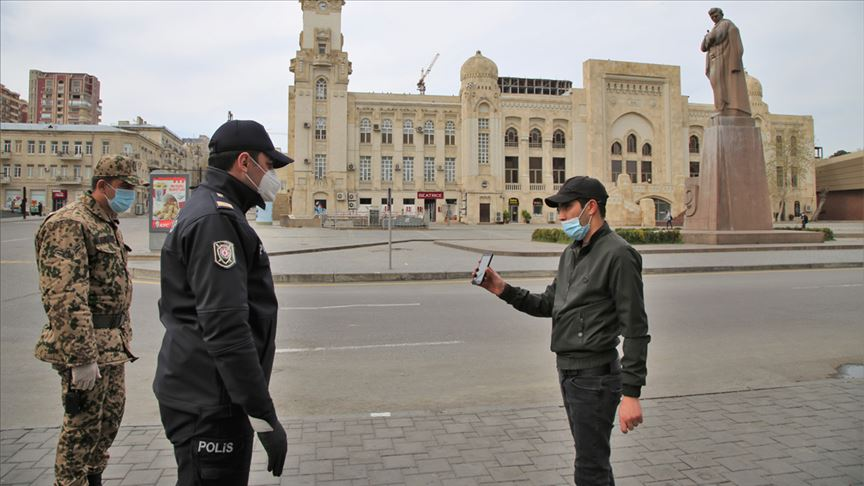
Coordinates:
(430,195)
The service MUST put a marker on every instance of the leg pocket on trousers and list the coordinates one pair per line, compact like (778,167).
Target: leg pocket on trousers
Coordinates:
(218,458)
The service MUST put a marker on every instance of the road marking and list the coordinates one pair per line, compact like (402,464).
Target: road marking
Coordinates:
(839,286)
(16,239)
(370,346)
(348,306)
(379,414)
(8,262)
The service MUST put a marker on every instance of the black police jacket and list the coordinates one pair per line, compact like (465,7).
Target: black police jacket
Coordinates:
(218,306)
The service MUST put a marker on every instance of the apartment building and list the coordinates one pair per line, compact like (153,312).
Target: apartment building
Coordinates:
(12,108)
(64,98)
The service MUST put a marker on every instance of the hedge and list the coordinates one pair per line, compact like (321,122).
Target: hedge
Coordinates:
(636,236)
(829,235)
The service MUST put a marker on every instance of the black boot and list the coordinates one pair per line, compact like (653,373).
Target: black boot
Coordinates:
(94,479)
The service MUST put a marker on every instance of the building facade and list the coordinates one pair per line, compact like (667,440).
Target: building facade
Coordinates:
(64,98)
(840,183)
(495,150)
(53,164)
(12,108)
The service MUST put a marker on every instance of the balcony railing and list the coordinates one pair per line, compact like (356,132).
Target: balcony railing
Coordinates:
(558,145)
(555,187)
(5,155)
(512,187)
(511,143)
(537,187)
(69,156)
(73,180)
(5,179)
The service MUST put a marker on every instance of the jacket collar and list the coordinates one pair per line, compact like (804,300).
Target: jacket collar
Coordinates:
(240,194)
(94,207)
(603,231)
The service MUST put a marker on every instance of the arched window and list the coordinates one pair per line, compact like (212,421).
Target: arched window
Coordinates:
(365,131)
(646,150)
(616,148)
(429,133)
(535,138)
(631,144)
(387,131)
(511,138)
(558,139)
(450,133)
(694,144)
(320,128)
(321,89)
(408,132)
(537,206)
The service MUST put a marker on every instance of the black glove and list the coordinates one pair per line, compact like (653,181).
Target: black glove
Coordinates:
(276,445)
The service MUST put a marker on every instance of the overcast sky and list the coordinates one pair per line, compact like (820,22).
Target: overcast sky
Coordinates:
(185,64)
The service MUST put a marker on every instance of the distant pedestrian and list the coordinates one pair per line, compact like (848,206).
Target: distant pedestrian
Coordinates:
(596,296)
(219,310)
(39,207)
(669,220)
(86,292)
(804,221)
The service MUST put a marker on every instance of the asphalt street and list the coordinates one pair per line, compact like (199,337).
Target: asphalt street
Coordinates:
(366,348)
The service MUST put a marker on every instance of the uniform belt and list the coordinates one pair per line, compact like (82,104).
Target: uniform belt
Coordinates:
(108,321)
(602,370)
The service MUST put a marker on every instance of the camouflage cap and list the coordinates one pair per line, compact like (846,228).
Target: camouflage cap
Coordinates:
(118,166)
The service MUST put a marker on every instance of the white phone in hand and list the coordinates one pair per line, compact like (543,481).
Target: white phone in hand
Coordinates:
(485,260)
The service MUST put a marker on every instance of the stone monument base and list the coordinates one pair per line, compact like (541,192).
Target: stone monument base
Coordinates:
(696,237)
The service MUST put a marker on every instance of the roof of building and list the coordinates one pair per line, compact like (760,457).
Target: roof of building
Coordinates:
(479,65)
(59,127)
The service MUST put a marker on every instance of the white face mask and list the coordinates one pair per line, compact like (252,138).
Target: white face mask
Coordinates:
(269,185)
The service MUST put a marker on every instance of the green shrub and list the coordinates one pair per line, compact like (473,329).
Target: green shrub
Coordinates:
(634,236)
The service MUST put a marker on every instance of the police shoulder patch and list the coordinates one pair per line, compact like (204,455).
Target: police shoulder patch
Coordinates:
(223,254)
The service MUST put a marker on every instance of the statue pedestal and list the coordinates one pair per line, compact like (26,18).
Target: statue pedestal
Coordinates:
(729,203)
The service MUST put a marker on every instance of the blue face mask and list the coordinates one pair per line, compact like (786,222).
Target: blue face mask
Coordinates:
(122,200)
(574,228)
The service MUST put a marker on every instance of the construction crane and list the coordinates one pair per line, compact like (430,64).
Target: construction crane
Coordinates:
(421,85)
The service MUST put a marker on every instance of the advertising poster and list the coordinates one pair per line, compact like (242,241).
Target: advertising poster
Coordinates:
(168,196)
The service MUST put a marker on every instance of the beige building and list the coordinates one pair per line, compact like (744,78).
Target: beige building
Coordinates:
(12,108)
(173,155)
(502,144)
(53,164)
(64,98)
(840,182)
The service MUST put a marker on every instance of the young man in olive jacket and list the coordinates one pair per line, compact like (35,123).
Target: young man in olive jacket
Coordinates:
(595,297)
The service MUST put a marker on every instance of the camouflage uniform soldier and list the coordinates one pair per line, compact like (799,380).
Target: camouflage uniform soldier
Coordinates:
(86,292)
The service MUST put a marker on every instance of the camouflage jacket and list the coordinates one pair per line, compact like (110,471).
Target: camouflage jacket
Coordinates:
(81,260)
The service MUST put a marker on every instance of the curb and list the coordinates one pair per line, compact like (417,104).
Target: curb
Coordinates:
(371,277)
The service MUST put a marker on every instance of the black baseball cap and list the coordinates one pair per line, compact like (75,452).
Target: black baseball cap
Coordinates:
(579,187)
(242,135)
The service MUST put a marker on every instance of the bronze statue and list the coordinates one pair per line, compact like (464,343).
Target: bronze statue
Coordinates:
(724,66)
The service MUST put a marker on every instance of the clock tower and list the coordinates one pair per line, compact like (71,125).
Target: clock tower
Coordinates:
(318,109)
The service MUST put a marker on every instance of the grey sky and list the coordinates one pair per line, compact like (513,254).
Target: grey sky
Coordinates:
(185,64)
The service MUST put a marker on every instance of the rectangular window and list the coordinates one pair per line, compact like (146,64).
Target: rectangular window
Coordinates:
(781,177)
(408,201)
(450,133)
(408,136)
(365,168)
(322,48)
(429,169)
(384,201)
(408,169)
(6,170)
(558,164)
(54,146)
(40,171)
(450,169)
(17,146)
(16,170)
(535,170)
(31,146)
(616,170)
(483,148)
(77,171)
(366,201)
(386,168)
(631,170)
(794,176)
(365,137)
(320,166)
(88,148)
(483,123)
(42,146)
(64,147)
(646,171)
(511,170)
(7,146)
(694,169)
(106,147)
(78,148)
(320,128)
(29,171)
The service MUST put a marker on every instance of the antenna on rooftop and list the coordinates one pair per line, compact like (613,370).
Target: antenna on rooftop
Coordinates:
(421,85)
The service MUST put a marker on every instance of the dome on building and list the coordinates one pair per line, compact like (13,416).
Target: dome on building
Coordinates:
(754,87)
(478,66)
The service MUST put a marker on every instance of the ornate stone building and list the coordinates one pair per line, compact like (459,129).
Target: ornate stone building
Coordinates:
(502,144)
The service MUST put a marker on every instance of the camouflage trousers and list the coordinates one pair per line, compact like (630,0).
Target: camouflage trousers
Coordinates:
(90,423)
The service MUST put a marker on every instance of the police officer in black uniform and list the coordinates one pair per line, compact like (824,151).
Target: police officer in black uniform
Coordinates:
(219,309)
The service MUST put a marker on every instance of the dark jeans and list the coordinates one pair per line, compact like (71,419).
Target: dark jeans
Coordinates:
(209,450)
(591,398)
